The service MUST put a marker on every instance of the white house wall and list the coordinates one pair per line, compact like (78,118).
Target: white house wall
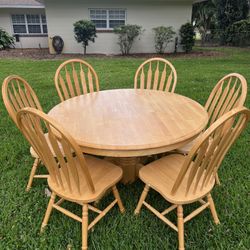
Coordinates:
(61,14)
(27,41)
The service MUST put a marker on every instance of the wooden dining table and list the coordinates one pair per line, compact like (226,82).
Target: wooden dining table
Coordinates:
(126,124)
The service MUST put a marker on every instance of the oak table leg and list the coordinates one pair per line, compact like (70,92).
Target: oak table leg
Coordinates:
(130,167)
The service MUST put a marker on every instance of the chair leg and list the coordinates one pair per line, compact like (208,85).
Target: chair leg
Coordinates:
(217,180)
(142,198)
(48,211)
(85,227)
(212,209)
(32,173)
(180,223)
(119,201)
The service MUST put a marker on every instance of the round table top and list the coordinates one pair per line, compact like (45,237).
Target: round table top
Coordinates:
(130,122)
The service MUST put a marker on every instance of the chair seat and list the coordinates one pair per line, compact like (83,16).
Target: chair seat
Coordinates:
(161,175)
(35,155)
(187,147)
(104,174)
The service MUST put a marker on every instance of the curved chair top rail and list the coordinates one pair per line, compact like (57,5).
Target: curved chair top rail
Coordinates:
(207,154)
(17,94)
(67,168)
(75,77)
(230,92)
(157,74)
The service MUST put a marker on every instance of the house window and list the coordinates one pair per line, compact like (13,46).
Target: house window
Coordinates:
(19,24)
(44,24)
(29,24)
(34,26)
(107,18)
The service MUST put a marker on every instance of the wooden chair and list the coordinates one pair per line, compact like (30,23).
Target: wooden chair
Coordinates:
(18,94)
(230,92)
(187,179)
(157,74)
(72,176)
(75,77)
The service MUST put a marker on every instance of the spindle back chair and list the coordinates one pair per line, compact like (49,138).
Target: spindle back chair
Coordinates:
(230,92)
(32,126)
(73,176)
(186,179)
(156,74)
(17,94)
(205,157)
(75,77)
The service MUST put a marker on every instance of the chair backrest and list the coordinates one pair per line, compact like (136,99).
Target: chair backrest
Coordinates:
(65,168)
(230,92)
(157,74)
(18,94)
(207,154)
(75,77)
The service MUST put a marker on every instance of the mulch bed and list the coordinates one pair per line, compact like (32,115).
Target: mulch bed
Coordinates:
(43,54)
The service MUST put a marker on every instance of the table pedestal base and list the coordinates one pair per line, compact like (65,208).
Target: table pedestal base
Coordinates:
(130,167)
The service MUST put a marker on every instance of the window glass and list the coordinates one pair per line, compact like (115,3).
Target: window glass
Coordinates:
(34,29)
(117,14)
(33,18)
(98,14)
(29,24)
(100,23)
(45,29)
(116,23)
(107,18)
(19,29)
(43,19)
(18,19)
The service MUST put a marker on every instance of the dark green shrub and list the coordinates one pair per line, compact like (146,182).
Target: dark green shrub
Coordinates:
(163,36)
(126,36)
(6,41)
(187,37)
(204,18)
(238,34)
(85,31)
(229,12)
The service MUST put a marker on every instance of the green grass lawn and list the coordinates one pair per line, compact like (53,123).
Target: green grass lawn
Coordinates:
(21,213)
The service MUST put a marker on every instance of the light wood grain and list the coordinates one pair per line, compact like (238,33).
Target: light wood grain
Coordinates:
(184,179)
(75,77)
(230,92)
(17,94)
(72,176)
(157,74)
(128,122)
(129,165)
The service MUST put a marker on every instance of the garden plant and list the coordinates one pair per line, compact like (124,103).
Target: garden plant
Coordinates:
(127,35)
(85,31)
(163,36)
